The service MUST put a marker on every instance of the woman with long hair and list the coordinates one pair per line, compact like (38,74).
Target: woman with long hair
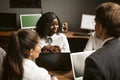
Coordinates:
(18,64)
(49,27)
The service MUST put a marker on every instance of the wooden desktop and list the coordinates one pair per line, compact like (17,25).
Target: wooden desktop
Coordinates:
(62,75)
(70,34)
(5,33)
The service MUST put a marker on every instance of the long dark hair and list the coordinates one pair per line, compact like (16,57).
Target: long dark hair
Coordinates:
(19,44)
(44,23)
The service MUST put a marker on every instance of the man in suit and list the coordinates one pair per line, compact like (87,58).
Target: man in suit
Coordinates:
(104,64)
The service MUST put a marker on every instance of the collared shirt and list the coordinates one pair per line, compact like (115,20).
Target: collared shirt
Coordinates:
(57,39)
(106,40)
(33,72)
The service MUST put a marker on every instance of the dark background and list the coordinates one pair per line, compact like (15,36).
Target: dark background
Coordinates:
(25,3)
(67,10)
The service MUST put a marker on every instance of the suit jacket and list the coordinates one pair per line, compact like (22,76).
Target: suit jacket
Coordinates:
(104,64)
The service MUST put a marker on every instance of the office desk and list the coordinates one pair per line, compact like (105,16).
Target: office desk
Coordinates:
(4,38)
(5,33)
(62,75)
(77,43)
(69,34)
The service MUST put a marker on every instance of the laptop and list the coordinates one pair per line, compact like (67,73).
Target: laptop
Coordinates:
(78,62)
(54,61)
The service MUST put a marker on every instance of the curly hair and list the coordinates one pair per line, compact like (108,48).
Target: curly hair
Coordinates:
(44,23)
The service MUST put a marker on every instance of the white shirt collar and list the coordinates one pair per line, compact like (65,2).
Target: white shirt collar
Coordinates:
(106,40)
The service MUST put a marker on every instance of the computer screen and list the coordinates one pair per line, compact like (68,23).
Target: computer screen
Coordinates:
(78,63)
(8,21)
(87,22)
(28,21)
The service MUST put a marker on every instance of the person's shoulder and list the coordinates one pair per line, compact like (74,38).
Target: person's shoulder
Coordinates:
(62,34)
(2,51)
(29,64)
(99,54)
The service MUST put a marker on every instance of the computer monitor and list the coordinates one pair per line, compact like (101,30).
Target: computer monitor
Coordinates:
(8,21)
(55,61)
(87,22)
(28,21)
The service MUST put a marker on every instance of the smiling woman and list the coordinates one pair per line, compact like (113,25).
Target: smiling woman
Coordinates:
(49,29)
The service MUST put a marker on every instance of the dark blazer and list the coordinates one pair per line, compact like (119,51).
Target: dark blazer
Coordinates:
(104,64)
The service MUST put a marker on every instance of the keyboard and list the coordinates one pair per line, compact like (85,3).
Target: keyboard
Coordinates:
(81,34)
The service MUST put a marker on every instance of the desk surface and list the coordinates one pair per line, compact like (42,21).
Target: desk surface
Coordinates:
(5,33)
(62,75)
(69,34)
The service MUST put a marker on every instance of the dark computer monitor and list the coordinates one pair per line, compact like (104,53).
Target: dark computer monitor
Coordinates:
(54,61)
(8,21)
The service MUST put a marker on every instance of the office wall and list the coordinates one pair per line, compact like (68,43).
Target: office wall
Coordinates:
(68,10)
(5,8)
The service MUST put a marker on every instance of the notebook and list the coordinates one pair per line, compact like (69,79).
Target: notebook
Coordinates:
(78,62)
(54,61)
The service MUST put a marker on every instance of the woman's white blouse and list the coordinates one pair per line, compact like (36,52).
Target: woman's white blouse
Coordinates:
(57,39)
(33,72)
